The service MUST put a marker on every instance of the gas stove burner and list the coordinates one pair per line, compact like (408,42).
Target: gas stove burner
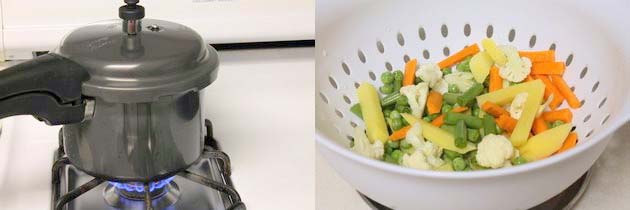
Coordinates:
(164,196)
(567,199)
(204,185)
(135,190)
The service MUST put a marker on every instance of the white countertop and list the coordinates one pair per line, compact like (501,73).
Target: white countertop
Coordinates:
(609,188)
(262,110)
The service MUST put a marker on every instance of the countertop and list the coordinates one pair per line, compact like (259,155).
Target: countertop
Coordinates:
(262,109)
(609,187)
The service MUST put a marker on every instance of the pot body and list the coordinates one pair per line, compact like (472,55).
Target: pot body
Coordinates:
(137,141)
(501,192)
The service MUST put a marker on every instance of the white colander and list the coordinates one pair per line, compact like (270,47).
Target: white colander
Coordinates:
(357,41)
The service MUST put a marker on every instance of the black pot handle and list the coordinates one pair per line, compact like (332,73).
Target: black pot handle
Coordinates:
(47,87)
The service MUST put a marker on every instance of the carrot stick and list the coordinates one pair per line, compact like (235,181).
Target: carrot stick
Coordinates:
(539,56)
(551,89)
(506,122)
(410,72)
(569,143)
(548,68)
(539,125)
(459,109)
(434,102)
(496,82)
(438,121)
(564,115)
(459,56)
(564,89)
(400,133)
(493,109)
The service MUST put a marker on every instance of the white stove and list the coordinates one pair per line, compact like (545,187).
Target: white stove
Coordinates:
(272,166)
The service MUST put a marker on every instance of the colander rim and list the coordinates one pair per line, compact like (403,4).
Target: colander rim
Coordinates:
(321,139)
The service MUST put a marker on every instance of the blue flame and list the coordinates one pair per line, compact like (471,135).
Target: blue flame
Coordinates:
(139,187)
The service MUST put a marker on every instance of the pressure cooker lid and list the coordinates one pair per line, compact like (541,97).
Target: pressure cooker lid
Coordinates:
(131,61)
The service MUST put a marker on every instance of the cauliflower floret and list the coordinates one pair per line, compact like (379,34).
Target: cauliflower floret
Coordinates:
(416,160)
(463,80)
(493,151)
(517,106)
(426,154)
(441,86)
(363,146)
(517,68)
(430,73)
(417,97)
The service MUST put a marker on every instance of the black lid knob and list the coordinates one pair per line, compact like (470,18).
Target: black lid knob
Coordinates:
(131,11)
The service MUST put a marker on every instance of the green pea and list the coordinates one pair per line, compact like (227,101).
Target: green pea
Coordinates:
(396,124)
(474,136)
(446,108)
(388,158)
(556,123)
(464,66)
(446,71)
(387,77)
(453,88)
(407,110)
(402,100)
(387,112)
(519,161)
(397,155)
(459,164)
(394,115)
(405,144)
(398,75)
(387,88)
(392,144)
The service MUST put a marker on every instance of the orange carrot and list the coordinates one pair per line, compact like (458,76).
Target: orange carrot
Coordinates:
(459,56)
(506,122)
(438,121)
(410,72)
(459,109)
(566,92)
(493,109)
(496,82)
(539,56)
(400,133)
(564,115)
(551,89)
(539,125)
(569,143)
(434,102)
(548,68)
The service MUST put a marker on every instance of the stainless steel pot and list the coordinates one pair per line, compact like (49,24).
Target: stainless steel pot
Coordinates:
(126,91)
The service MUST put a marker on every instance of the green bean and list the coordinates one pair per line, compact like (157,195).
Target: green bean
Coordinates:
(464,65)
(470,94)
(446,108)
(387,112)
(460,134)
(431,117)
(473,135)
(489,126)
(475,110)
(452,118)
(459,164)
(387,77)
(390,99)
(397,124)
(397,86)
(401,108)
(448,128)
(387,88)
(398,75)
(450,98)
(450,155)
(356,110)
(519,161)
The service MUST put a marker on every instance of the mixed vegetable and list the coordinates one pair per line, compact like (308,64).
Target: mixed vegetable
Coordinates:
(480,108)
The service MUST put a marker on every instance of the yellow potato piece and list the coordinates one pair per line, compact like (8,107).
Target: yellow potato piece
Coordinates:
(534,90)
(370,102)
(545,143)
(480,65)
(438,136)
(491,48)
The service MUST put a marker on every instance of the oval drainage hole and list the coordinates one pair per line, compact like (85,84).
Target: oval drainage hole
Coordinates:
(347,99)
(595,86)
(345,68)
(511,35)
(489,31)
(605,119)
(323,97)
(388,66)
(588,117)
(569,60)
(583,73)
(332,81)
(444,30)
(532,41)
(361,56)
(401,39)
(446,51)
(380,47)
(601,104)
(422,34)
